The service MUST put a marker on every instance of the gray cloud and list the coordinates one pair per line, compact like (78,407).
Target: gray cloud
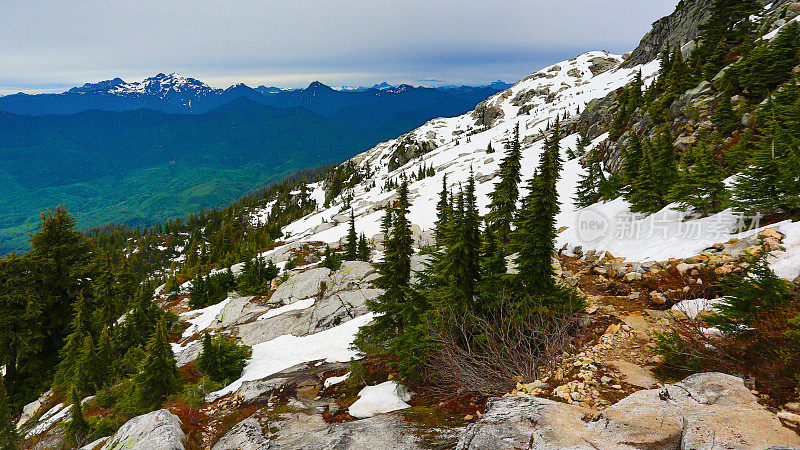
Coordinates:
(49,45)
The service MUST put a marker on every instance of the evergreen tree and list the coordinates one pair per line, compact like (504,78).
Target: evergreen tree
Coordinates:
(536,232)
(643,195)
(9,438)
(590,184)
(729,21)
(632,159)
(463,253)
(700,185)
(364,252)
(158,377)
(20,316)
(750,293)
(71,352)
(351,248)
(396,312)
(86,371)
(444,212)
(724,118)
(105,355)
(77,427)
(222,359)
(771,182)
(141,319)
(504,198)
(60,257)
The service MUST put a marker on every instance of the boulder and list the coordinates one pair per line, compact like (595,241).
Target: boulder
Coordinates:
(158,429)
(709,410)
(301,286)
(386,431)
(340,307)
(189,353)
(245,435)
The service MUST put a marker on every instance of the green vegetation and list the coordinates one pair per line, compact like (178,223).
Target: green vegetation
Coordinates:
(222,360)
(451,327)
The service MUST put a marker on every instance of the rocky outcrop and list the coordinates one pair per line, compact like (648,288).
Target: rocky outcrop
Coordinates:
(678,28)
(387,431)
(710,410)
(245,435)
(155,430)
(301,286)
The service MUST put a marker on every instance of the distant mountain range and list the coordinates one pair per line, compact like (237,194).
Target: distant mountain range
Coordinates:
(178,94)
(137,153)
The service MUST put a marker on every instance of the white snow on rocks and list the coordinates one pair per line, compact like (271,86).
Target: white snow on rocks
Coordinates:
(382,398)
(298,305)
(332,345)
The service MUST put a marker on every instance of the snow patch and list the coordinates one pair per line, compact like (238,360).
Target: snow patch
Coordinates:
(383,398)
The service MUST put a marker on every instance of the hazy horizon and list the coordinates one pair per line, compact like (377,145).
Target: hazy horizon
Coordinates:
(52,47)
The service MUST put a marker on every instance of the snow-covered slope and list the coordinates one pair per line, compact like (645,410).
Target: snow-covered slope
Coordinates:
(460,148)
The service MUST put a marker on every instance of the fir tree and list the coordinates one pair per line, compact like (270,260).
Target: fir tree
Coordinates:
(590,185)
(351,248)
(724,118)
(643,195)
(536,231)
(364,252)
(443,213)
(9,438)
(753,292)
(395,309)
(506,192)
(86,370)
(158,377)
(60,256)
(77,427)
(700,186)
(71,352)
(105,354)
(222,359)
(632,159)
(20,316)
(463,253)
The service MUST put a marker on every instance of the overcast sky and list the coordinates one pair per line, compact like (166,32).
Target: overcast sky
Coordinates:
(53,45)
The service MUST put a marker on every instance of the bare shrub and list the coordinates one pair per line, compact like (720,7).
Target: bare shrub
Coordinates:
(488,355)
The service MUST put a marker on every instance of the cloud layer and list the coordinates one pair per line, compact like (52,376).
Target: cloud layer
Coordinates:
(53,45)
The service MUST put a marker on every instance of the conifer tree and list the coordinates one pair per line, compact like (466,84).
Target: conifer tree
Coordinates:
(536,233)
(752,292)
(396,312)
(77,427)
(60,256)
(771,182)
(665,169)
(463,253)
(351,248)
(364,252)
(632,159)
(643,195)
(158,377)
(105,355)
(589,187)
(503,200)
(86,371)
(700,185)
(20,316)
(71,352)
(9,438)
(724,118)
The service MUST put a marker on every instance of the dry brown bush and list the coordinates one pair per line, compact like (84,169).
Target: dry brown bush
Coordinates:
(488,355)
